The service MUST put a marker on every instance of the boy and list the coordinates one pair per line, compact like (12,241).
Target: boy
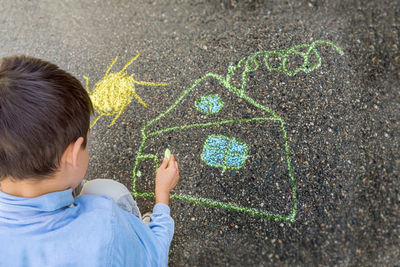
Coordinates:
(44,127)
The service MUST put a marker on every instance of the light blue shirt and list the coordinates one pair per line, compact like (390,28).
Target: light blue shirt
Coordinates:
(57,230)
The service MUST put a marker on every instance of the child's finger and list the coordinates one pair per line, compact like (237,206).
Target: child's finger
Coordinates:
(176,166)
(164,163)
(172,160)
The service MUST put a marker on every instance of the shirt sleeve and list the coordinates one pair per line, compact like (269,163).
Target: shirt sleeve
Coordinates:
(136,244)
(162,225)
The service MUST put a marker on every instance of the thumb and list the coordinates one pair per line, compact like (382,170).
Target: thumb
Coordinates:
(164,163)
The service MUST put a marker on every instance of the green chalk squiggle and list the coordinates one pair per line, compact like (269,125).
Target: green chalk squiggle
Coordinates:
(251,65)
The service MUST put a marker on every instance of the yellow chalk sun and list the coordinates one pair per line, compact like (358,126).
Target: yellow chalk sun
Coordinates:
(114,92)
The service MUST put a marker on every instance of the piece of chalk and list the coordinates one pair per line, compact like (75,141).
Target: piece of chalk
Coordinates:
(167,155)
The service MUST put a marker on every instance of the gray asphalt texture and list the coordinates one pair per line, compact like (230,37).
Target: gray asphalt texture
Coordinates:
(342,120)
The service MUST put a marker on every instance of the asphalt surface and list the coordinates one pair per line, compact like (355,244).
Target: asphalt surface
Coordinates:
(341,119)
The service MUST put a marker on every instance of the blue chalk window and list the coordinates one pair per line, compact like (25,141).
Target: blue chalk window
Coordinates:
(224,152)
(210,104)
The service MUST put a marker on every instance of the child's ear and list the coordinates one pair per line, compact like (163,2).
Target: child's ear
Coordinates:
(71,154)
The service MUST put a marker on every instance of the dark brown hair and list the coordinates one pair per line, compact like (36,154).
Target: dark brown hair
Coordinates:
(42,110)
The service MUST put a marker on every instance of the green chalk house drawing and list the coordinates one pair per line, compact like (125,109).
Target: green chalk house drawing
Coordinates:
(229,152)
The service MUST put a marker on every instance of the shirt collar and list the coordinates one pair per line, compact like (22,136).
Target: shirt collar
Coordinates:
(47,202)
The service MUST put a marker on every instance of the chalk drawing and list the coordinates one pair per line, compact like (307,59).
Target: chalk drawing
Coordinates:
(211,104)
(250,64)
(224,152)
(113,93)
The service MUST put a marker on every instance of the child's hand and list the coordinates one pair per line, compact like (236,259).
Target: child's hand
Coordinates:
(166,179)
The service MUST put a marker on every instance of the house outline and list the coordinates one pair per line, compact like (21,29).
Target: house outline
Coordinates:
(251,64)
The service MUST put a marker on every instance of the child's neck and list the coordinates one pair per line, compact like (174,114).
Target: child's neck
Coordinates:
(32,187)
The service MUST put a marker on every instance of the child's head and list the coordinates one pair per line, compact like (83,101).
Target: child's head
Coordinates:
(43,109)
